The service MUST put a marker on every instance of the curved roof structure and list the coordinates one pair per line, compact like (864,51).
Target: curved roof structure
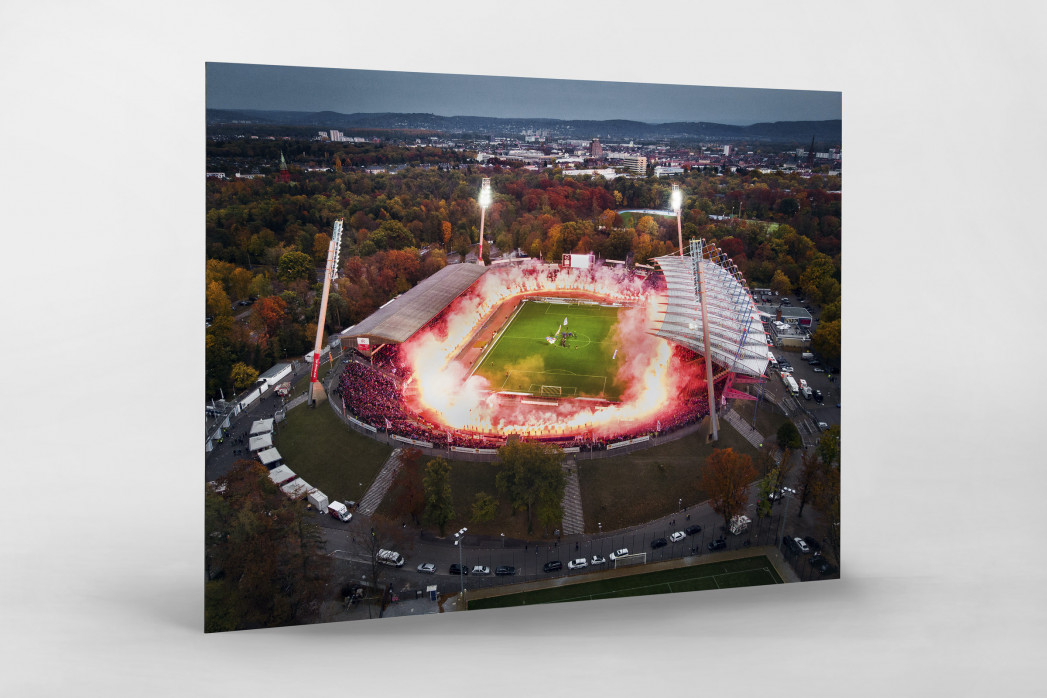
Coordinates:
(409,312)
(736,336)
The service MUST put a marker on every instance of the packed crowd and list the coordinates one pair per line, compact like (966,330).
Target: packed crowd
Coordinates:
(373,395)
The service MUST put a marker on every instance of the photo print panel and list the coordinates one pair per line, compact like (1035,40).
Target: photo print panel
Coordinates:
(476,342)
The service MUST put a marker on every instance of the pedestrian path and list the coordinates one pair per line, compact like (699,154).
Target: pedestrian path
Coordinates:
(297,401)
(573,520)
(376,492)
(751,435)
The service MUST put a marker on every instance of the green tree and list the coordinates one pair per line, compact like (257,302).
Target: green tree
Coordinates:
(242,375)
(485,507)
(829,446)
(647,226)
(293,266)
(771,483)
(531,478)
(725,477)
(789,436)
(260,286)
(436,487)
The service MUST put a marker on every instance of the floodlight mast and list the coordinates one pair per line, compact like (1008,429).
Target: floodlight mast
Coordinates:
(677,203)
(485,201)
(316,391)
(698,252)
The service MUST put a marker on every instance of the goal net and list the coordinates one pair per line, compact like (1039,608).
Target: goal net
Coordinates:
(551,391)
(630,560)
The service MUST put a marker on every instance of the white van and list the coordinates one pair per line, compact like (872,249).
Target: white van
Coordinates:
(391,558)
(807,356)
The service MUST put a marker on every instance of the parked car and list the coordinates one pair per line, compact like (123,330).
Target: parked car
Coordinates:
(818,369)
(818,397)
(427,568)
(481,569)
(659,543)
(677,537)
(693,530)
(785,369)
(812,544)
(822,425)
(597,560)
(576,564)
(505,571)
(552,566)
(618,553)
(718,544)
(455,569)
(801,545)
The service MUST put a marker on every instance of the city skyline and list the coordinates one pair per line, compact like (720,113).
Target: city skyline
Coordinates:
(289,88)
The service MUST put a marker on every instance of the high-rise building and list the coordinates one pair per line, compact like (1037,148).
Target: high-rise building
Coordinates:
(727,150)
(595,149)
(285,174)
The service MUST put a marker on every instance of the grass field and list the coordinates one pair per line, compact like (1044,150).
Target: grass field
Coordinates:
(751,571)
(327,454)
(523,360)
(636,487)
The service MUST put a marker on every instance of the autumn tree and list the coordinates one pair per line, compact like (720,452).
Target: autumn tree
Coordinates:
(531,478)
(240,283)
(242,375)
(725,477)
(647,226)
(781,284)
(436,486)
(264,558)
(321,242)
(485,507)
(445,233)
(217,301)
(271,313)
(826,341)
(294,266)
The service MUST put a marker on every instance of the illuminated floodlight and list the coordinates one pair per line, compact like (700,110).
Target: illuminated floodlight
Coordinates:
(677,198)
(485,192)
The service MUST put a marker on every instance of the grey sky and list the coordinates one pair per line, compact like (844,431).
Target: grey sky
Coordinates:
(242,86)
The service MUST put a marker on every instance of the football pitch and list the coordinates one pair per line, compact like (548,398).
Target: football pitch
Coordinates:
(751,571)
(523,360)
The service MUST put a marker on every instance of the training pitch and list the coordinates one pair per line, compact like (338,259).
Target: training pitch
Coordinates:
(750,571)
(523,360)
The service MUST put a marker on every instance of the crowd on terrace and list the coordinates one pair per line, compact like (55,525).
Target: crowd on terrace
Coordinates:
(373,394)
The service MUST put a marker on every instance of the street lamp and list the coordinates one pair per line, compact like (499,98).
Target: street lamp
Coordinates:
(503,540)
(458,538)
(676,200)
(485,201)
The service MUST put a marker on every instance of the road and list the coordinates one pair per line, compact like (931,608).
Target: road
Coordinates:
(346,541)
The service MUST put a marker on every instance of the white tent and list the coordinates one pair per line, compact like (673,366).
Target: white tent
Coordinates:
(262,426)
(297,488)
(258,443)
(281,474)
(269,457)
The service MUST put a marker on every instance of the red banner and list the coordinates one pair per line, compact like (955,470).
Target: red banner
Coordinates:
(316,367)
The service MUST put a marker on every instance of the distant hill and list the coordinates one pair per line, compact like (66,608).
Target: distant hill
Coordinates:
(829,131)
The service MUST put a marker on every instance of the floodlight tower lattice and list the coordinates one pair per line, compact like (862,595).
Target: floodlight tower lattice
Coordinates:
(330,271)
(676,200)
(710,310)
(485,201)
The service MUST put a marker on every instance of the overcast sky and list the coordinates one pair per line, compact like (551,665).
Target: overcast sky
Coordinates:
(240,86)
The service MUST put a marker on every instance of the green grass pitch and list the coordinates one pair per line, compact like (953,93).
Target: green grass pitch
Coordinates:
(752,571)
(522,359)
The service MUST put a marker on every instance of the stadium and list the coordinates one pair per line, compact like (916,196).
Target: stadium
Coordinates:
(579,354)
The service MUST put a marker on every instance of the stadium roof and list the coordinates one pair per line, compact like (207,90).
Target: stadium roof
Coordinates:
(736,336)
(401,317)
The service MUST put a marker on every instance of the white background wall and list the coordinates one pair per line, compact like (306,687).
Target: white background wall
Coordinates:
(103,203)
